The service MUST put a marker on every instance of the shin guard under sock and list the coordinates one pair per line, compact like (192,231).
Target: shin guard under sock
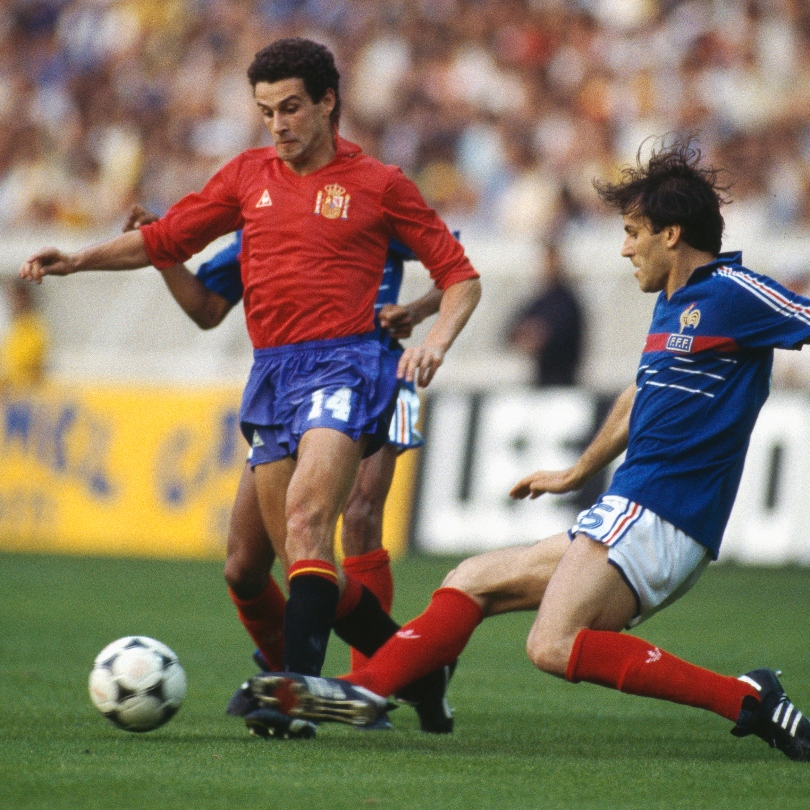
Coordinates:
(309,615)
(432,640)
(373,570)
(263,618)
(632,665)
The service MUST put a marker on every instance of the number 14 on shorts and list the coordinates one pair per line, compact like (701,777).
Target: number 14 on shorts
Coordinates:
(339,404)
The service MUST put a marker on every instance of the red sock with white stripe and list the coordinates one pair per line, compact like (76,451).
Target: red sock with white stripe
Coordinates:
(431,640)
(263,618)
(635,666)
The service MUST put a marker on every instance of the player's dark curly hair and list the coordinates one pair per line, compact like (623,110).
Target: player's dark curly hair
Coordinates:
(672,189)
(298,58)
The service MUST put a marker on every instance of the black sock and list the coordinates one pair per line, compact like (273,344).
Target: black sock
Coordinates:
(308,619)
(367,627)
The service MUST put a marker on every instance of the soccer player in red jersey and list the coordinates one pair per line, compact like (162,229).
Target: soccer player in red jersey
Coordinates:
(207,298)
(317,216)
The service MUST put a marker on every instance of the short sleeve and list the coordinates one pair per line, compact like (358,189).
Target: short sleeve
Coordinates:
(765,314)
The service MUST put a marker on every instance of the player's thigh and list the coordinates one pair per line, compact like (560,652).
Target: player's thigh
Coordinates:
(271,482)
(374,477)
(363,513)
(324,474)
(585,591)
(509,579)
(248,538)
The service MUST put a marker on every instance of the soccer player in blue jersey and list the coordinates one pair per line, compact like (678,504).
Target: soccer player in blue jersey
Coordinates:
(685,425)
(207,298)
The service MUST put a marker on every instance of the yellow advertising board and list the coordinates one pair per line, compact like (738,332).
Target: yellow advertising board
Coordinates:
(147,471)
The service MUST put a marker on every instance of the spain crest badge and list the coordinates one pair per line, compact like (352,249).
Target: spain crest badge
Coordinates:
(332,202)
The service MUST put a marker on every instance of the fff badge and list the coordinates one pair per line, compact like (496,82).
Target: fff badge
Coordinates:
(680,342)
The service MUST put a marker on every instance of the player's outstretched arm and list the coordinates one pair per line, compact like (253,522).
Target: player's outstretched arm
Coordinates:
(608,444)
(420,363)
(206,308)
(400,319)
(125,252)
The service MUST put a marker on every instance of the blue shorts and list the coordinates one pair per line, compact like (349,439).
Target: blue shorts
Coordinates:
(347,384)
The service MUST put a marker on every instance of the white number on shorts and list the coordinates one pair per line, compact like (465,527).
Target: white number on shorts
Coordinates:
(339,403)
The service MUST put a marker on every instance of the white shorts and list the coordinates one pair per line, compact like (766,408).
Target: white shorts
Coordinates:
(403,433)
(658,561)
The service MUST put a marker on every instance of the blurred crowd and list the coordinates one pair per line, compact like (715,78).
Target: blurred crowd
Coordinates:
(503,111)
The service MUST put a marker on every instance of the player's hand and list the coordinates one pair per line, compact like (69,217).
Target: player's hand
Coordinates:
(541,482)
(398,320)
(419,364)
(138,215)
(47,262)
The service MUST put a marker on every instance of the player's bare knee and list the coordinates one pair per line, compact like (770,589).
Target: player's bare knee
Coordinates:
(548,653)
(308,525)
(465,577)
(246,580)
(362,526)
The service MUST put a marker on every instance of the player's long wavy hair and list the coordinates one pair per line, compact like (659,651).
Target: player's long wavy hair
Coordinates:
(298,58)
(672,188)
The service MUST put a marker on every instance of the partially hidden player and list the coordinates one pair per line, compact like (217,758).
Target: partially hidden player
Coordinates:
(317,217)
(685,424)
(207,297)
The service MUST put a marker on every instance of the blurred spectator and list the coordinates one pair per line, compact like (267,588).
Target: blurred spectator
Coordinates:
(503,110)
(549,329)
(24,344)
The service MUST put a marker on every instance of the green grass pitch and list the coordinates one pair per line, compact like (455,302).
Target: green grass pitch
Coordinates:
(522,739)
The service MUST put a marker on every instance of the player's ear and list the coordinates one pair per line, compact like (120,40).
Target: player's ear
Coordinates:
(328,101)
(672,235)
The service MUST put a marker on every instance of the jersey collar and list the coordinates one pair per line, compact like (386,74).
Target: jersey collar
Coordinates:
(731,257)
(346,148)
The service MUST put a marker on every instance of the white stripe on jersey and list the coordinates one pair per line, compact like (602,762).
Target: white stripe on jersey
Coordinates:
(698,373)
(774,299)
(680,388)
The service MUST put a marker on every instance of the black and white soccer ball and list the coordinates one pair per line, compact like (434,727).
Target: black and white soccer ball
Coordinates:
(137,683)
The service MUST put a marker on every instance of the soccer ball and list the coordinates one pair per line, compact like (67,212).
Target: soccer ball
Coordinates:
(137,683)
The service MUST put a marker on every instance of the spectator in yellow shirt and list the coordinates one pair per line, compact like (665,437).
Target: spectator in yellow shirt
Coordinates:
(24,345)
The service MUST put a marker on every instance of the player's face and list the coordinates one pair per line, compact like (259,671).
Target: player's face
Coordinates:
(301,130)
(648,253)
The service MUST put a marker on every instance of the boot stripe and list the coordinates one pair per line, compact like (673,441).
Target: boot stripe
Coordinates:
(795,724)
(750,682)
(777,712)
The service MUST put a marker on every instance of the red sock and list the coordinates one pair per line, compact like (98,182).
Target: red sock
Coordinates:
(373,570)
(431,640)
(349,598)
(263,618)
(632,665)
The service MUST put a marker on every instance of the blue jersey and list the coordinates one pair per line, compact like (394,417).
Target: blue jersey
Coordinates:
(704,375)
(223,275)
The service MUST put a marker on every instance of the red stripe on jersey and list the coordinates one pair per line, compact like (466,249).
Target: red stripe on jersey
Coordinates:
(700,343)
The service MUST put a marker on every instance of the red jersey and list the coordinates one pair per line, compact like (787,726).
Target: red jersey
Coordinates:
(313,247)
